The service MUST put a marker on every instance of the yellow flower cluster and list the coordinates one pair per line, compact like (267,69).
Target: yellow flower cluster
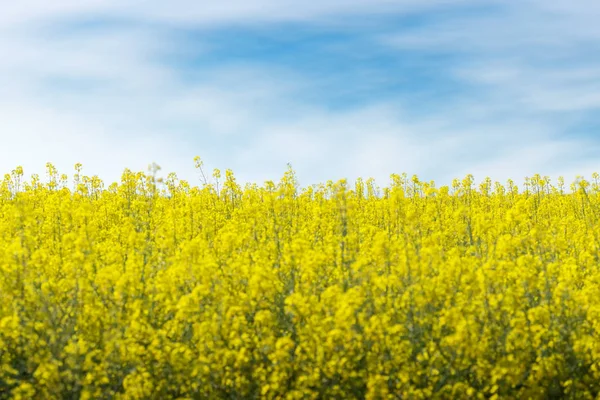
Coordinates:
(157,289)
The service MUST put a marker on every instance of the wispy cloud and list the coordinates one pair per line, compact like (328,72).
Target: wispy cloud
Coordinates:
(339,89)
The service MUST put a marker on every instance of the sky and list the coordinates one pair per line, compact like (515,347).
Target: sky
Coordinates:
(338,89)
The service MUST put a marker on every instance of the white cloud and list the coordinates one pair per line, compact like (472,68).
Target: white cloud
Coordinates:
(210,13)
(538,55)
(133,109)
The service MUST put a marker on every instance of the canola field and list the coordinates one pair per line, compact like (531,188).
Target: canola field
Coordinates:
(154,288)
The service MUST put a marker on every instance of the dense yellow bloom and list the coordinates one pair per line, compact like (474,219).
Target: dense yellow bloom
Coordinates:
(155,289)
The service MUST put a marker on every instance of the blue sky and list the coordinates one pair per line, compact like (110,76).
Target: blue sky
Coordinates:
(339,89)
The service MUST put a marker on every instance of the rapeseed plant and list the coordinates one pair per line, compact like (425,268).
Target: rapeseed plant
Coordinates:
(154,288)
